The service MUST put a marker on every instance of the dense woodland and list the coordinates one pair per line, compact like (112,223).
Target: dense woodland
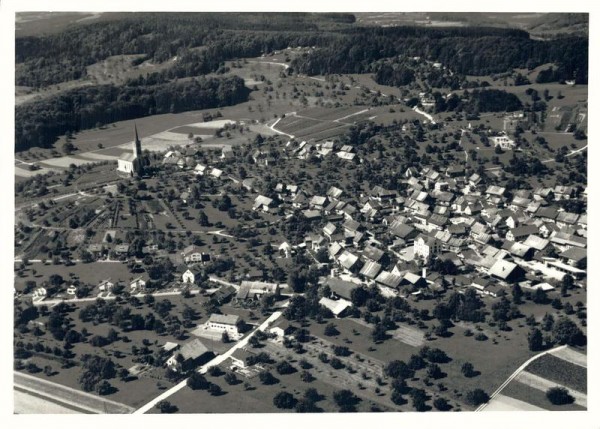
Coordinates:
(201,42)
(467,51)
(40,123)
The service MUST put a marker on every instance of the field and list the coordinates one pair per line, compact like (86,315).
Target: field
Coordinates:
(560,371)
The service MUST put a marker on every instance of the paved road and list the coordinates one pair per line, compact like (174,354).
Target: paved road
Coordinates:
(66,396)
(202,370)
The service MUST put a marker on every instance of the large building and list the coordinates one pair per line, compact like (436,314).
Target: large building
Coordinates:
(131,164)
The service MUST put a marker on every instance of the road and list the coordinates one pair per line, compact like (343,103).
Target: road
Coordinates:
(202,370)
(516,373)
(67,397)
(272,127)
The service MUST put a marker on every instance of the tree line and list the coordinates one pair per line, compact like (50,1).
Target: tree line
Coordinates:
(40,123)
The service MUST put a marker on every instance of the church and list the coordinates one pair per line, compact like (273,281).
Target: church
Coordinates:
(131,164)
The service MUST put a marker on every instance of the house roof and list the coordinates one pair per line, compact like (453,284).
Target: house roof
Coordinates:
(371,269)
(193,349)
(341,288)
(347,259)
(574,253)
(225,319)
(537,242)
(502,268)
(336,306)
(389,279)
(373,253)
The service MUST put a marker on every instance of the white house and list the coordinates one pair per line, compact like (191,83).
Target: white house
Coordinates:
(224,323)
(504,142)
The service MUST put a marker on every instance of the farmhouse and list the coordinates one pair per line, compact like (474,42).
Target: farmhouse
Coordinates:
(189,356)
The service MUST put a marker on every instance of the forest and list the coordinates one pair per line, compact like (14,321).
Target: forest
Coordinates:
(40,123)
(56,58)
(467,51)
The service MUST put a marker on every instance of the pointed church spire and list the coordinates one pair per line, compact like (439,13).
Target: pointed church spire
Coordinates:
(136,132)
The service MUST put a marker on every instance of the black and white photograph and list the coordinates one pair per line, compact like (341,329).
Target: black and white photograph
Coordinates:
(273,211)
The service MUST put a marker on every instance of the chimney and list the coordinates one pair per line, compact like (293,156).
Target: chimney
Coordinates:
(424,273)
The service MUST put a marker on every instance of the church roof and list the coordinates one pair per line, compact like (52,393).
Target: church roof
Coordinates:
(127,157)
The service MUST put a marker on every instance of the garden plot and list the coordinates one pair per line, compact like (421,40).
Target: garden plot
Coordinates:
(409,335)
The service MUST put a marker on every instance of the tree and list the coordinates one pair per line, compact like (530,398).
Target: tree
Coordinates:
(419,399)
(477,397)
(434,371)
(104,388)
(345,400)
(331,330)
(231,378)
(535,340)
(267,378)
(567,332)
(559,396)
(398,368)
(284,400)
(215,389)
(397,398)
(284,367)
(441,404)
(197,382)
(467,369)
(166,407)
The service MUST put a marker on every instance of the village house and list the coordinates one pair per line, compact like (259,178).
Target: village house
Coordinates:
(192,275)
(252,290)
(224,323)
(193,253)
(192,354)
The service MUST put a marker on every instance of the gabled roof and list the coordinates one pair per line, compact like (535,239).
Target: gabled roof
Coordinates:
(502,268)
(336,306)
(341,288)
(536,242)
(347,259)
(225,319)
(194,349)
(388,279)
(371,269)
(574,253)
(566,217)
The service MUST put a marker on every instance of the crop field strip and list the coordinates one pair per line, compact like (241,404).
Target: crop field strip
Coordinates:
(560,371)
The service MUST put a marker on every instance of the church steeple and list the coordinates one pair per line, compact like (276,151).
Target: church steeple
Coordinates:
(137,151)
